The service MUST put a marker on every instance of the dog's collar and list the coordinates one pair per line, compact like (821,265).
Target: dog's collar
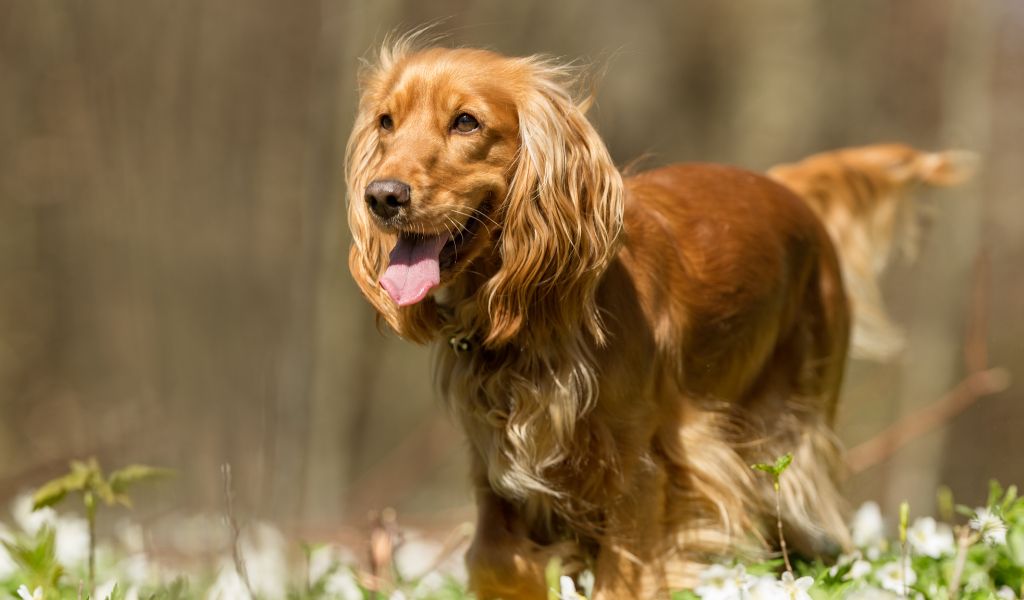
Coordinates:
(462,344)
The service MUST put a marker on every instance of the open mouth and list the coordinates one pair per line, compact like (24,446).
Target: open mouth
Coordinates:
(464,236)
(416,261)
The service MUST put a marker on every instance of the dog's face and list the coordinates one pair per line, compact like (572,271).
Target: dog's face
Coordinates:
(468,161)
(445,135)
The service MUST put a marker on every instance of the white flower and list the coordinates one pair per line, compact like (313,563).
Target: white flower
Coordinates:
(105,589)
(929,538)
(719,582)
(417,555)
(870,593)
(1006,593)
(264,550)
(765,587)
(342,585)
(889,576)
(586,579)
(7,565)
(859,568)
(228,586)
(990,526)
(134,568)
(567,589)
(867,528)
(24,594)
(796,589)
(72,540)
(30,520)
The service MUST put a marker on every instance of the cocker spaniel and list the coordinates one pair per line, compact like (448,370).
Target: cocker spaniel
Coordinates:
(618,350)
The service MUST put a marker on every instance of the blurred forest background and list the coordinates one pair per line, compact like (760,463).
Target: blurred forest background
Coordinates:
(173,284)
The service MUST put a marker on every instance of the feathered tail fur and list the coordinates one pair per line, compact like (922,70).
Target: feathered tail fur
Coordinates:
(866,198)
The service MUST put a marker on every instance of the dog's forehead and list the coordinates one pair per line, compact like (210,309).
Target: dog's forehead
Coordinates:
(439,76)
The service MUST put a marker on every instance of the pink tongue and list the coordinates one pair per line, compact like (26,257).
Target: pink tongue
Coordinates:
(413,269)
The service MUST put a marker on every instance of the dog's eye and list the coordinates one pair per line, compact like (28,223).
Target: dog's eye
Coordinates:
(465,123)
(386,122)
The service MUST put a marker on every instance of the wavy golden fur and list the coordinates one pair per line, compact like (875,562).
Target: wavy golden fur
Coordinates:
(618,351)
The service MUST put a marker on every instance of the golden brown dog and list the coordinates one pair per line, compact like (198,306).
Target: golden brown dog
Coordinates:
(617,350)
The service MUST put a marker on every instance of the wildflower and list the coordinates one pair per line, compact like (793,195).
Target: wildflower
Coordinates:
(929,538)
(342,585)
(7,565)
(24,594)
(868,529)
(30,520)
(719,582)
(765,587)
(1006,593)
(870,593)
(265,552)
(858,566)
(586,579)
(567,588)
(228,586)
(72,540)
(892,577)
(796,589)
(991,527)
(105,589)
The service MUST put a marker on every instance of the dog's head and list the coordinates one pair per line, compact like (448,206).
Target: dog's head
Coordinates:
(478,175)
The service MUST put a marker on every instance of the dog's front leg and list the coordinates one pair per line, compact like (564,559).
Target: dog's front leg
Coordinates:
(632,559)
(502,561)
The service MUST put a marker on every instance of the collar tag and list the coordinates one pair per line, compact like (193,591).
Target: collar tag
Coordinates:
(460,344)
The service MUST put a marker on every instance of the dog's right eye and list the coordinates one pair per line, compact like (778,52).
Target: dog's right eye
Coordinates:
(386,123)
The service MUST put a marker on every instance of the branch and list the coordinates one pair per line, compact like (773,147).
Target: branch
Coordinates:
(914,425)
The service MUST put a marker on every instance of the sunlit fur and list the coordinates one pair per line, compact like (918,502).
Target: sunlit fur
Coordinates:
(631,345)
(865,197)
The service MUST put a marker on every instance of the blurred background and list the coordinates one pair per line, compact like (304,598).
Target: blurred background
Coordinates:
(173,281)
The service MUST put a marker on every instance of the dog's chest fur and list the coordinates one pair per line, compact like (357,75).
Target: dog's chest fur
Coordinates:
(523,412)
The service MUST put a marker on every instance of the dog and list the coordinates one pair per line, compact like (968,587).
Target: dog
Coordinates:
(618,350)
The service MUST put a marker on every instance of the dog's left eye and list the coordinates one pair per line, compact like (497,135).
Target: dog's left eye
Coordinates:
(465,123)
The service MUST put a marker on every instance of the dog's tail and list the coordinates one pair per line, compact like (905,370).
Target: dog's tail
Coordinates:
(865,197)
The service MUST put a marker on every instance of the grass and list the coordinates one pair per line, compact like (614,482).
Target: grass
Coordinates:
(971,554)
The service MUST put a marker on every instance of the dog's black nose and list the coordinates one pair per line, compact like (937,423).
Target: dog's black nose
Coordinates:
(386,197)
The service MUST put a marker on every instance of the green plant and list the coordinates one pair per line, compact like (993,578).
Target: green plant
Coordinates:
(775,470)
(86,478)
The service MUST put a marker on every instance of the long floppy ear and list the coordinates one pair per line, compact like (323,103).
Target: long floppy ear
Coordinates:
(368,255)
(561,219)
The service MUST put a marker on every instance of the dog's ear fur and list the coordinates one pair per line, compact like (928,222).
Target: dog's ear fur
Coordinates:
(560,221)
(368,255)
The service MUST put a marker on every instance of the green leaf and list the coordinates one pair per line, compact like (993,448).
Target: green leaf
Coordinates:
(116,594)
(995,492)
(105,491)
(1015,544)
(37,558)
(775,469)
(50,493)
(1009,498)
(53,491)
(967,511)
(121,479)
(945,503)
